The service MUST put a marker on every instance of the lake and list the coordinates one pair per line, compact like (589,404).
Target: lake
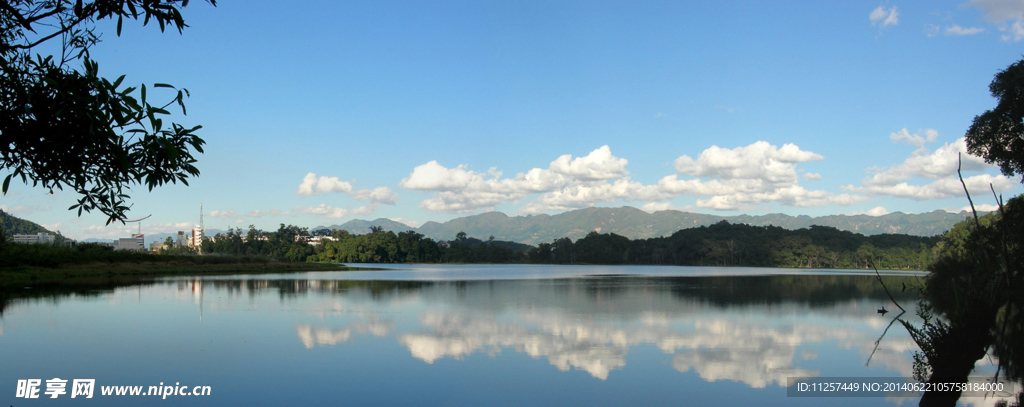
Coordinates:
(472,335)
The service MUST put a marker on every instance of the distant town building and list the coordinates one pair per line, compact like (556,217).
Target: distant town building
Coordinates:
(43,238)
(315,240)
(135,243)
(38,238)
(197,233)
(181,242)
(197,239)
(158,246)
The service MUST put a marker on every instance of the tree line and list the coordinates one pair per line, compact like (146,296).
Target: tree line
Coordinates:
(721,244)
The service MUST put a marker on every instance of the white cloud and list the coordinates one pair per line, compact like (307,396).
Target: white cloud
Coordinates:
(812,176)
(915,139)
(939,164)
(435,177)
(977,207)
(793,195)
(1016,32)
(1007,15)
(744,177)
(663,206)
(377,195)
(586,194)
(876,211)
(931,30)
(958,30)
(760,160)
(311,185)
(461,190)
(330,212)
(739,177)
(942,188)
(885,17)
(228,214)
(266,212)
(600,164)
(1000,10)
(465,201)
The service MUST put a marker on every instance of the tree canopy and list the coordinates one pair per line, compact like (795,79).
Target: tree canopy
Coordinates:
(63,124)
(998,134)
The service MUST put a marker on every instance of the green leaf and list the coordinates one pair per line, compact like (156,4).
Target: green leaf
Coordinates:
(162,85)
(7,183)
(118,26)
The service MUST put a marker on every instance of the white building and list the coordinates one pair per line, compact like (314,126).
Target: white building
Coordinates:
(197,239)
(38,238)
(136,243)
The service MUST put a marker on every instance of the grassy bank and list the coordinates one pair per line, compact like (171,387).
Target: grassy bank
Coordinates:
(23,264)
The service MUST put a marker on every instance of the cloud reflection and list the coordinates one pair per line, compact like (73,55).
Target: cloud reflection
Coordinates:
(741,350)
(457,335)
(313,336)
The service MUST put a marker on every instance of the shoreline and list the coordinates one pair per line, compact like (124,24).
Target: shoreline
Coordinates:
(107,272)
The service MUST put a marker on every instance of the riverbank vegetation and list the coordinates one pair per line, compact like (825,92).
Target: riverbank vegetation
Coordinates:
(721,244)
(289,249)
(35,264)
(971,303)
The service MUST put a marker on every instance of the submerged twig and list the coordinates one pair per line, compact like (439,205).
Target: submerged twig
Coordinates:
(877,342)
(879,277)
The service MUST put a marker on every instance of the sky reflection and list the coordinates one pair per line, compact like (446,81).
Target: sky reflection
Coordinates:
(599,340)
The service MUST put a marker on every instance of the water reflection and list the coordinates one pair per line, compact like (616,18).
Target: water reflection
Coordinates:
(748,333)
(738,349)
(313,336)
(573,323)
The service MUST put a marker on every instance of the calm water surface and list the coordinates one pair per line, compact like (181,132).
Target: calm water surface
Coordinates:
(464,335)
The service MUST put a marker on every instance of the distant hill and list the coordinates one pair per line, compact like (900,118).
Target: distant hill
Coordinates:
(637,224)
(13,225)
(362,227)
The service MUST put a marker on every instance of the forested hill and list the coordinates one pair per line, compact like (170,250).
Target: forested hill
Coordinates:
(13,225)
(634,223)
(720,244)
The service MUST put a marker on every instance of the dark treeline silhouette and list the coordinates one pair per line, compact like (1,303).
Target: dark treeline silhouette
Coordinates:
(721,244)
(972,303)
(724,244)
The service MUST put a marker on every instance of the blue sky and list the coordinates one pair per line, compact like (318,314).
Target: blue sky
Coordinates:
(325,111)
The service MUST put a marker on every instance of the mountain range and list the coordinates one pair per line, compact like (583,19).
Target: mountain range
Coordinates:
(637,224)
(626,221)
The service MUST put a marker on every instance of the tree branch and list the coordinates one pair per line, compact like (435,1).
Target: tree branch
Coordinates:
(959,163)
(47,38)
